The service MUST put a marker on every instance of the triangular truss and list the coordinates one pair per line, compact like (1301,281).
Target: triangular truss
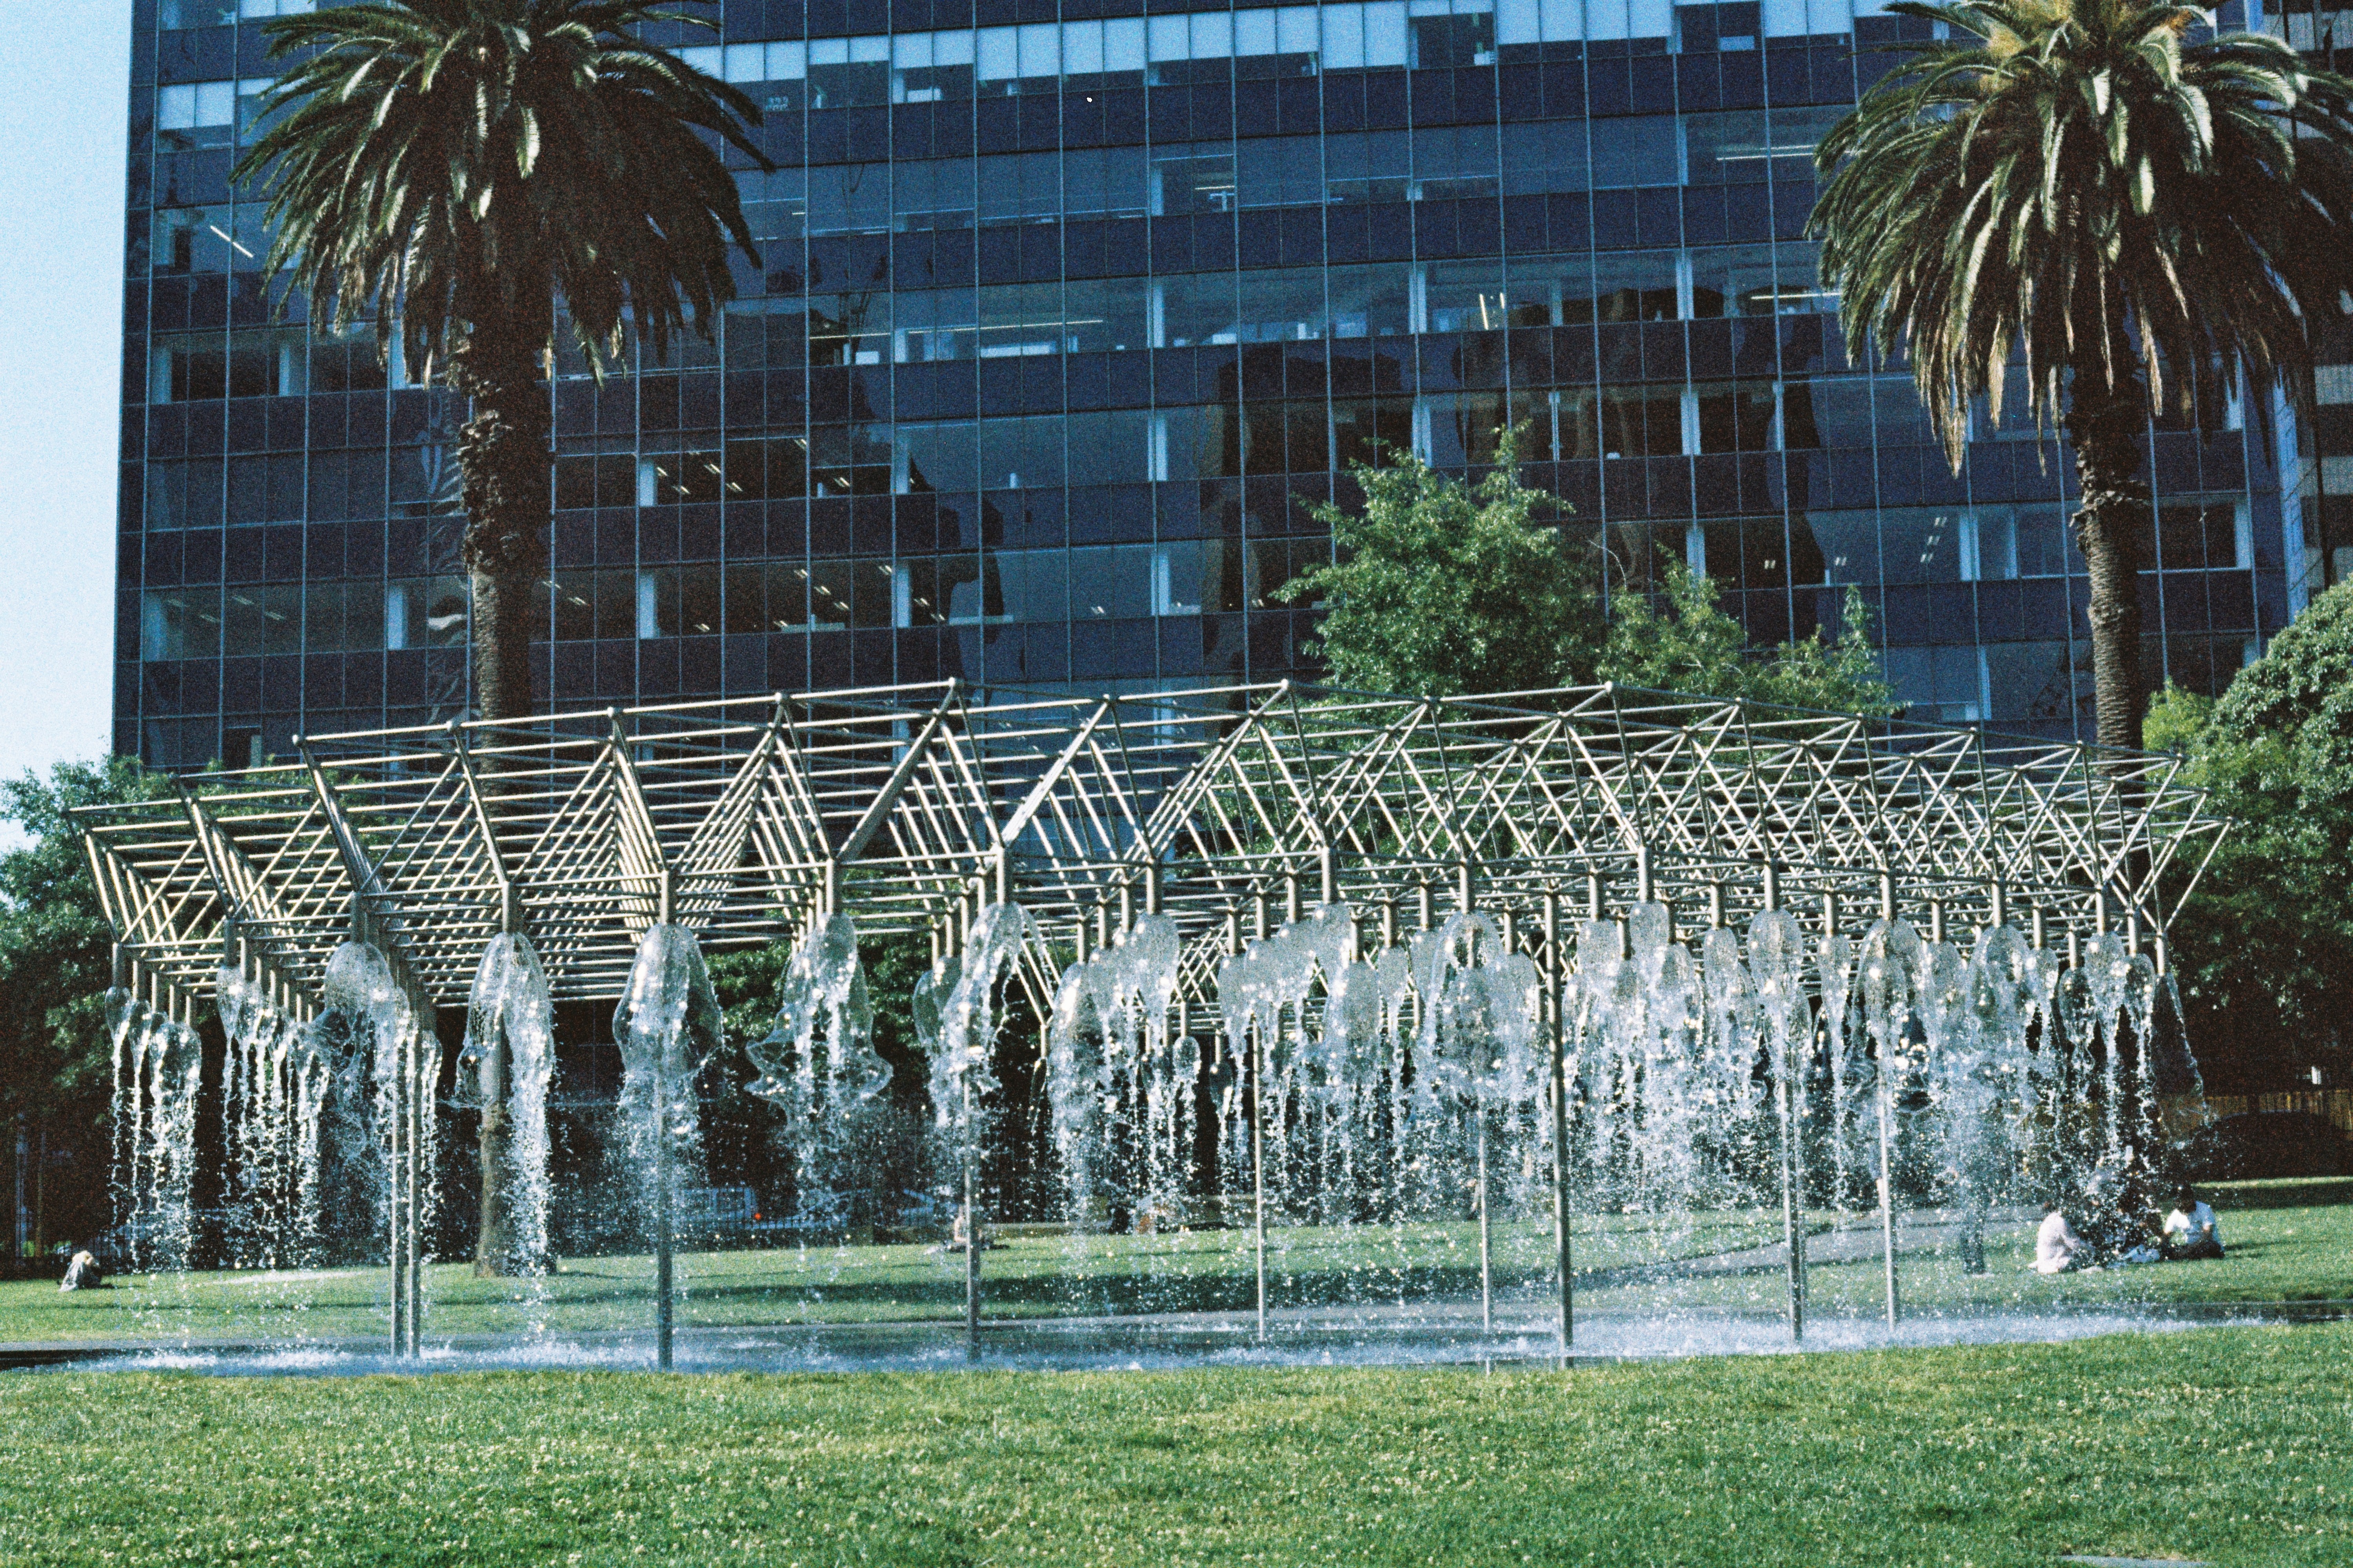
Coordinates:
(1228,808)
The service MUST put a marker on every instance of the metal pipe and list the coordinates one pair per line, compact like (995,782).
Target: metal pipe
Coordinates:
(664,1262)
(1642,873)
(1462,887)
(1152,887)
(419,1101)
(1887,897)
(1936,919)
(1886,1098)
(1793,1200)
(1793,1168)
(972,1234)
(396,1117)
(1291,909)
(1593,895)
(1715,906)
(1258,1162)
(1327,876)
(1559,1025)
(1486,1234)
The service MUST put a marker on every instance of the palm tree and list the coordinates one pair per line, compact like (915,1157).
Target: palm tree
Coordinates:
(456,171)
(2141,217)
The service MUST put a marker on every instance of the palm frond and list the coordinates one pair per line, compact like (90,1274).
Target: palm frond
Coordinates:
(434,164)
(2093,189)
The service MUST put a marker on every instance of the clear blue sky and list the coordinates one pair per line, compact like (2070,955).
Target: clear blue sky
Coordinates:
(65,67)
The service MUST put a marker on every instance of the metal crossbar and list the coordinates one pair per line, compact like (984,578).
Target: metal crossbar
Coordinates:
(907,807)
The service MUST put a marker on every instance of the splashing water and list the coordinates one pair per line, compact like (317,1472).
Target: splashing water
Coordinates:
(158,1077)
(818,1066)
(359,983)
(510,1004)
(966,1002)
(1120,1088)
(666,1024)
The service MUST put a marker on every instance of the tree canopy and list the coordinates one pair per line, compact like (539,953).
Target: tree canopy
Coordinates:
(2265,947)
(435,165)
(2131,206)
(56,953)
(1689,644)
(1445,585)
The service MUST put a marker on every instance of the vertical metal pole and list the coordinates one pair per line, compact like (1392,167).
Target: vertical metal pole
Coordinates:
(1462,887)
(1936,919)
(664,1304)
(1887,1176)
(971,1236)
(419,1107)
(664,1251)
(1327,876)
(1486,1233)
(1793,1199)
(1554,973)
(396,1116)
(1258,1162)
(1888,1051)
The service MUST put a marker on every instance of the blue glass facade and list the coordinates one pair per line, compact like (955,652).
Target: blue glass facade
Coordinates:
(1065,314)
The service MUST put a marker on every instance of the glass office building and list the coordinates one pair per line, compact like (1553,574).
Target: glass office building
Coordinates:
(1065,317)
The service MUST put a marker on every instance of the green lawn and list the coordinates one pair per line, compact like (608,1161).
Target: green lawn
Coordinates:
(2224,1445)
(2289,1242)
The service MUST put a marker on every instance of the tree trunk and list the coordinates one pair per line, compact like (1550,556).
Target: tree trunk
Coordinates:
(503,455)
(2112,528)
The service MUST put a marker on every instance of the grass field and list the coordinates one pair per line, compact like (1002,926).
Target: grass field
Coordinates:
(2289,1241)
(2224,1445)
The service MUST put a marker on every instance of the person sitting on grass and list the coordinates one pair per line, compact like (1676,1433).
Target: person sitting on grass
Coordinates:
(2189,1229)
(82,1272)
(2057,1247)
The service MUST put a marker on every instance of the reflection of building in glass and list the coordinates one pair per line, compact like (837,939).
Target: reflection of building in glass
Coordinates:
(1062,327)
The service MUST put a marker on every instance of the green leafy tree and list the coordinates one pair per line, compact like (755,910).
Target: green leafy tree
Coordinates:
(2264,948)
(56,953)
(2078,184)
(458,170)
(1444,586)
(1691,645)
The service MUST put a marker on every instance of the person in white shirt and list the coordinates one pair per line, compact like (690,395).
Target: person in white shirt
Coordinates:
(2189,1229)
(2057,1247)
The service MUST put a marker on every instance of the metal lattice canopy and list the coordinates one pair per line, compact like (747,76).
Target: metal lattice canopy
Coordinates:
(906,806)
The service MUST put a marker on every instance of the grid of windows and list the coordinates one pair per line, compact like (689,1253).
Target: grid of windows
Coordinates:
(1062,326)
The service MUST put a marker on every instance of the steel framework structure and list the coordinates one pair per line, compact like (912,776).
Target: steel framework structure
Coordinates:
(909,807)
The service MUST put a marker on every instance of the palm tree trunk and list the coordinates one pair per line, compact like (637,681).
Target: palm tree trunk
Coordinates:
(503,455)
(2112,528)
